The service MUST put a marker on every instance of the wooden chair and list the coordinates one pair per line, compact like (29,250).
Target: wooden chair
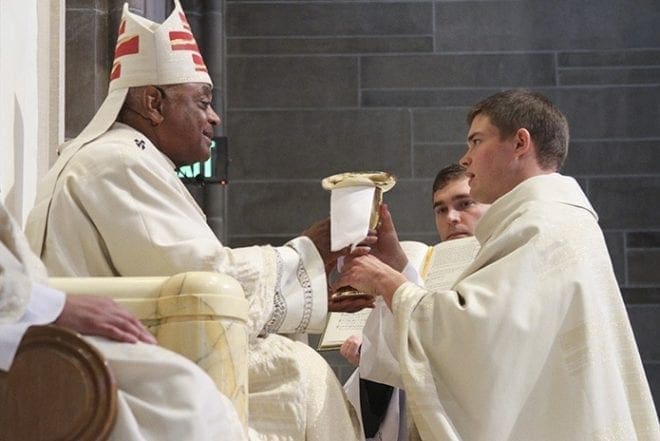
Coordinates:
(60,388)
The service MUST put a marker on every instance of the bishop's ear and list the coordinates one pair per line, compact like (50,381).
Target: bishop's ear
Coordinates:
(153,101)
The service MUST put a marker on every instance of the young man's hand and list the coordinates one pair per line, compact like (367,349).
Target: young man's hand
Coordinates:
(350,349)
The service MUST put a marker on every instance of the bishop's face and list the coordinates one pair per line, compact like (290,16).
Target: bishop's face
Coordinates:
(489,161)
(188,119)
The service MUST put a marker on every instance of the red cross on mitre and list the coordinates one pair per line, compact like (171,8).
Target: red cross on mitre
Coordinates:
(125,46)
(184,21)
(185,41)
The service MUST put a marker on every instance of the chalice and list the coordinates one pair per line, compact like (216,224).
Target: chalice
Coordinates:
(380,182)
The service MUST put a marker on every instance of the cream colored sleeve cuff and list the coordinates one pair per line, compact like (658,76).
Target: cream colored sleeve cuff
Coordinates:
(406,297)
(303,286)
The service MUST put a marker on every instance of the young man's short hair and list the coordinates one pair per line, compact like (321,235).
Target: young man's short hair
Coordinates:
(447,175)
(514,109)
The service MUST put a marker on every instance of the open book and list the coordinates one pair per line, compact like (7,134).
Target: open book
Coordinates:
(439,267)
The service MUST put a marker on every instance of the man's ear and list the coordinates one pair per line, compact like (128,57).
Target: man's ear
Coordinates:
(523,142)
(152,102)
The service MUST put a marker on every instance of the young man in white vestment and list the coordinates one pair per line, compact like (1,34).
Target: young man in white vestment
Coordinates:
(144,371)
(532,342)
(383,406)
(112,205)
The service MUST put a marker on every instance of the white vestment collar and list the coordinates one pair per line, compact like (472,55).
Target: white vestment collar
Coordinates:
(539,189)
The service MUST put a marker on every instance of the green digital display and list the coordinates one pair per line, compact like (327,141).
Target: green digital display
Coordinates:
(199,169)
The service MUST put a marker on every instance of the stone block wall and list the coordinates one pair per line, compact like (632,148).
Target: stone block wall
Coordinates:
(312,88)
(315,88)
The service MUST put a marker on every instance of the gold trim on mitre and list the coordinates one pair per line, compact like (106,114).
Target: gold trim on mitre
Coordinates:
(382,180)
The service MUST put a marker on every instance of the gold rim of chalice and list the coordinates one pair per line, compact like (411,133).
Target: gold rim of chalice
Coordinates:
(380,179)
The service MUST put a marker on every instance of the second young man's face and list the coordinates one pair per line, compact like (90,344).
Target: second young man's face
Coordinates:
(188,121)
(456,213)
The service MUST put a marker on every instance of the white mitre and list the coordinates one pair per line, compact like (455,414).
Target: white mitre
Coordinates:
(147,53)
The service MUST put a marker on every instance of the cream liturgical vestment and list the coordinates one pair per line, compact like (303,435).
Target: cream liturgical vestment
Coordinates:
(119,209)
(533,341)
(144,373)
(436,268)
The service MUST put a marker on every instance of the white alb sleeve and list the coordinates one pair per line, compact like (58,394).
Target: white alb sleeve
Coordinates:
(412,274)
(45,306)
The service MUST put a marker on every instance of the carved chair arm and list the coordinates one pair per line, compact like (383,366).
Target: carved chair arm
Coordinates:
(200,315)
